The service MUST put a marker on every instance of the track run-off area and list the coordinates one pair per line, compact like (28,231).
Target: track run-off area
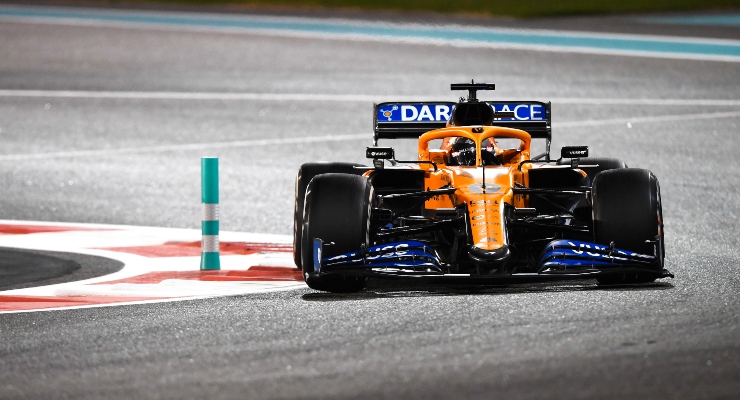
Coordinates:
(105,114)
(158,264)
(457,35)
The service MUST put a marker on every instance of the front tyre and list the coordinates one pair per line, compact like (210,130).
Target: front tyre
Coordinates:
(307,172)
(337,211)
(627,210)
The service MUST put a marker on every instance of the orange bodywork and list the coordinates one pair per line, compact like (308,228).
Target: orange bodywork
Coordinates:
(485,200)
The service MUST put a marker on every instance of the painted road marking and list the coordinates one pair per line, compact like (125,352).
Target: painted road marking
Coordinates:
(160,264)
(659,118)
(188,95)
(332,138)
(186,147)
(328,97)
(448,35)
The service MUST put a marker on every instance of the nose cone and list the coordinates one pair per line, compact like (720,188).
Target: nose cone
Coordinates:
(494,258)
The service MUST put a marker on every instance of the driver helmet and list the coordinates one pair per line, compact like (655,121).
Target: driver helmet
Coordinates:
(462,152)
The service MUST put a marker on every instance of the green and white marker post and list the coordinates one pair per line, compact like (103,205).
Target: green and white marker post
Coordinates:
(209,256)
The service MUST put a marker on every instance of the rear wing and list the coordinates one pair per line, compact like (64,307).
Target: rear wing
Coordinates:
(409,120)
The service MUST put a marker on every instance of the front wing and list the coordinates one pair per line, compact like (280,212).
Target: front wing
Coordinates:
(561,260)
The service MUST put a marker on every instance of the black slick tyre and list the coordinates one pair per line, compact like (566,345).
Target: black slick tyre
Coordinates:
(627,210)
(305,174)
(337,211)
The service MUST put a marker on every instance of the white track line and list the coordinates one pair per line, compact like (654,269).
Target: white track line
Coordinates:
(187,147)
(328,97)
(186,95)
(334,138)
(662,118)
(646,102)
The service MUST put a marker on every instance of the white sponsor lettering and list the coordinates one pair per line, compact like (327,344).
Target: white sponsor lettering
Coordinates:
(535,110)
(485,223)
(484,202)
(516,112)
(393,251)
(405,115)
(442,113)
(425,114)
(595,254)
(588,247)
(575,251)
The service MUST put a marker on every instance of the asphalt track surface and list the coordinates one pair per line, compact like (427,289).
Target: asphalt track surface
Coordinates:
(136,161)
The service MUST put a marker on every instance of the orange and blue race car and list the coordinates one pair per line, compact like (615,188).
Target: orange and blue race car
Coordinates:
(476,206)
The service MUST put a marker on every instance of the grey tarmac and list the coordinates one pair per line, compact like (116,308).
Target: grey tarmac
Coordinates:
(678,338)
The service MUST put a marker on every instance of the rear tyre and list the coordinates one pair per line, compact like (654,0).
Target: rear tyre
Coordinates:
(627,210)
(305,174)
(337,210)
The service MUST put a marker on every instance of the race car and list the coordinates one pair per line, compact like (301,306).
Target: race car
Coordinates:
(476,207)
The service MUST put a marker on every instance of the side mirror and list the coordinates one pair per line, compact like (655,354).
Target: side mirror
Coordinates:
(380,153)
(574,152)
